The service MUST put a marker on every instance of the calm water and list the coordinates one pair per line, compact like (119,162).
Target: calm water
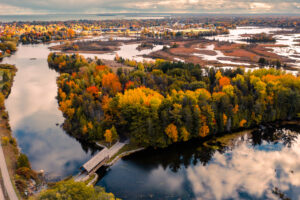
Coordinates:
(33,112)
(245,166)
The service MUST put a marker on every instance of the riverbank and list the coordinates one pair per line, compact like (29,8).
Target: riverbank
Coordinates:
(9,153)
(8,142)
(24,181)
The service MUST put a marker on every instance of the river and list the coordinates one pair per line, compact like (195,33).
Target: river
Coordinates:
(34,115)
(245,166)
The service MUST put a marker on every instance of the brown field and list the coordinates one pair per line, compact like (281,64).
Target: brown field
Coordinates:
(239,52)
(249,53)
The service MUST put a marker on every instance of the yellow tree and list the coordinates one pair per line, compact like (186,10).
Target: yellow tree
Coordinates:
(224,119)
(204,130)
(243,122)
(108,136)
(172,132)
(218,75)
(184,134)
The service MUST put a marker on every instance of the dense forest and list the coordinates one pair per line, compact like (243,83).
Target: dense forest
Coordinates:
(165,102)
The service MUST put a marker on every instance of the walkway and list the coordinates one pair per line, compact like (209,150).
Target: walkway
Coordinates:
(102,157)
(5,175)
(1,193)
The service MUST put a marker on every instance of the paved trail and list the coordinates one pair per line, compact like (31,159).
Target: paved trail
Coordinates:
(6,179)
(1,193)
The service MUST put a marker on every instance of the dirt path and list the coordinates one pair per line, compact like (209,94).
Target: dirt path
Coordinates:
(6,179)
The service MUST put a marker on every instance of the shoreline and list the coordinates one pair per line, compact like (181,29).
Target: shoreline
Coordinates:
(226,135)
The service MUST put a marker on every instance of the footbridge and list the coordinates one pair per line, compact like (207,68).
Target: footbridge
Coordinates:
(101,158)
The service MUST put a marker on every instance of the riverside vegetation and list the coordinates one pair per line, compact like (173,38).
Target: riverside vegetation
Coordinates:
(160,103)
(24,178)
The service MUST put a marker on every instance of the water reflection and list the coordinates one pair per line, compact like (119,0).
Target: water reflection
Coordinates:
(239,166)
(34,113)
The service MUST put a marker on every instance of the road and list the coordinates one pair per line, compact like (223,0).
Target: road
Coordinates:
(6,179)
(1,193)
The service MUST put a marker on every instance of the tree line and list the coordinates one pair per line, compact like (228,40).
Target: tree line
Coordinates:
(168,102)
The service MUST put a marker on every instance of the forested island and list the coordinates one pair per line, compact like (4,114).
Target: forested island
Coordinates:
(166,102)
(260,38)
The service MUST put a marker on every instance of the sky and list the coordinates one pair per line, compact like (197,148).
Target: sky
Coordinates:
(14,7)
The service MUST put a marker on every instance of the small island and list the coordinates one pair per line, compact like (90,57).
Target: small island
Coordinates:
(260,38)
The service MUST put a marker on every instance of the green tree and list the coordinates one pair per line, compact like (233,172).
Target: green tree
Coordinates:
(71,190)
(114,134)
(23,161)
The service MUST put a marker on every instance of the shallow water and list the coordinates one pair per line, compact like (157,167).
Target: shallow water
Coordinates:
(289,51)
(127,51)
(218,57)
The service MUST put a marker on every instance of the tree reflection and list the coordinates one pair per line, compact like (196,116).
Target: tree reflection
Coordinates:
(196,152)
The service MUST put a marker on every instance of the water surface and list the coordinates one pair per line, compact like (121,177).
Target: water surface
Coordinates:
(246,166)
(35,118)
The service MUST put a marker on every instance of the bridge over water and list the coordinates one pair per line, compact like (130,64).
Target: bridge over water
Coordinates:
(101,158)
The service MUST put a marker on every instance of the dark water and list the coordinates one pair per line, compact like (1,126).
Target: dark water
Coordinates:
(241,166)
(33,112)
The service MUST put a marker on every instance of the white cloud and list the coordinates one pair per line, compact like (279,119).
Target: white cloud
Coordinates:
(197,6)
(249,170)
(11,9)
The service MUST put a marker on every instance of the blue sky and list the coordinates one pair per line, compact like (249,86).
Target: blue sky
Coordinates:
(168,6)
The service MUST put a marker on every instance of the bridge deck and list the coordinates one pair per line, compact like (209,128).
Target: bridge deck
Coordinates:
(104,154)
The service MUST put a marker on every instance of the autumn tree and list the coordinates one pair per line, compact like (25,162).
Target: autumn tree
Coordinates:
(111,83)
(70,189)
(172,132)
(114,134)
(184,134)
(108,136)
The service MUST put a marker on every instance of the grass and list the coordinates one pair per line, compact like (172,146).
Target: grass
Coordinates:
(90,179)
(127,147)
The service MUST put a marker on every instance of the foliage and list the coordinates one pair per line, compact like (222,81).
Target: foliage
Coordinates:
(70,189)
(172,132)
(162,104)
(23,161)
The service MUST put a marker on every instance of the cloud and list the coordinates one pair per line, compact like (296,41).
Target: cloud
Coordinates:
(11,9)
(164,179)
(248,170)
(196,6)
